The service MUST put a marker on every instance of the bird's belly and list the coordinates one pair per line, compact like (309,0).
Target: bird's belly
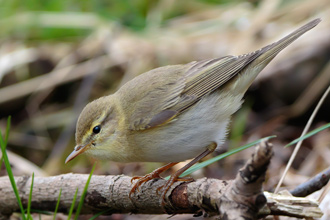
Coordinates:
(192,132)
(183,145)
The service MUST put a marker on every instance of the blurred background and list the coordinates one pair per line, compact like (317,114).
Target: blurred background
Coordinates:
(57,55)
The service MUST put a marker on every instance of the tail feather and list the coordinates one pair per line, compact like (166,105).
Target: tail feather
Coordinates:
(269,52)
(263,56)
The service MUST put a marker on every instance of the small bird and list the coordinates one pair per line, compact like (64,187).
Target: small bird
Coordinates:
(172,113)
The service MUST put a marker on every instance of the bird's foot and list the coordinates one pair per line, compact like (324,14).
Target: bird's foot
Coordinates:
(153,175)
(174,178)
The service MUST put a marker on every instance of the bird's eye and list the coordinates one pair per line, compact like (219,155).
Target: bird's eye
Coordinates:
(97,129)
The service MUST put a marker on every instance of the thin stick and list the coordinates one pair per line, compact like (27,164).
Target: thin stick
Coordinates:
(300,142)
(314,184)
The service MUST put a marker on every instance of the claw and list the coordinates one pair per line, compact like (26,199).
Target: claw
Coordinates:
(174,177)
(135,178)
(140,181)
(153,175)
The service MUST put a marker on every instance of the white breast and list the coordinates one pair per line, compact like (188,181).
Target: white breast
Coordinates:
(191,133)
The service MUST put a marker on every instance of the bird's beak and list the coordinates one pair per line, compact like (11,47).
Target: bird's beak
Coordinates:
(79,149)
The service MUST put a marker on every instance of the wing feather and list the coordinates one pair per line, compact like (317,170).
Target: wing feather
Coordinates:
(175,89)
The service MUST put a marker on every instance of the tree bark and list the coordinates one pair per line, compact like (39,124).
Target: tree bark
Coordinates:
(241,198)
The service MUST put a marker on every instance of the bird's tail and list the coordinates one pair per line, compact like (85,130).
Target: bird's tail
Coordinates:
(264,55)
(270,51)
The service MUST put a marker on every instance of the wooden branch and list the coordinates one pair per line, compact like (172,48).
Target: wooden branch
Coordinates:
(288,205)
(314,184)
(234,199)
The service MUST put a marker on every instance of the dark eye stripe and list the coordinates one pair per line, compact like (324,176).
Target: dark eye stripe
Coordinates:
(97,129)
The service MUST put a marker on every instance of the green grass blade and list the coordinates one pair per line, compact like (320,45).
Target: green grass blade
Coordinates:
(82,198)
(224,155)
(309,134)
(40,212)
(6,138)
(8,168)
(98,214)
(57,204)
(73,204)
(30,199)
(1,160)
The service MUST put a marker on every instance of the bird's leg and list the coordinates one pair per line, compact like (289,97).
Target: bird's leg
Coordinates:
(150,176)
(175,176)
